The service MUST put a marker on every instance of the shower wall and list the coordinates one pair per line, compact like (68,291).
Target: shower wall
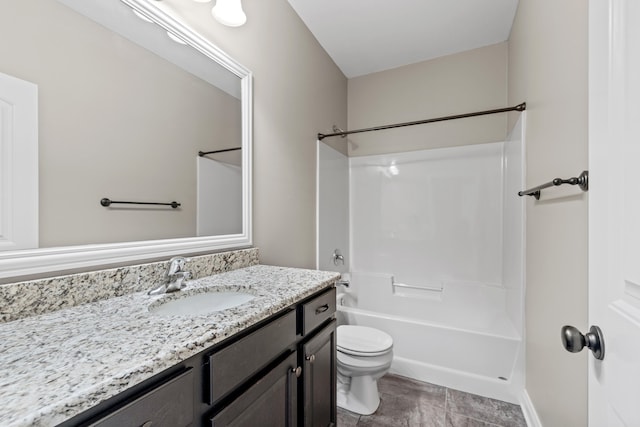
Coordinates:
(437,260)
(332,224)
(430,218)
(513,225)
(219,198)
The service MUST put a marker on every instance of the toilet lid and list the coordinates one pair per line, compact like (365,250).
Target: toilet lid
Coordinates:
(362,340)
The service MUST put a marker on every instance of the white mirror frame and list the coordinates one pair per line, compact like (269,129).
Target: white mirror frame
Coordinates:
(49,260)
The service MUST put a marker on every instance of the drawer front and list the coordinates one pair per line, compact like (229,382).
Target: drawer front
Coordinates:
(318,310)
(168,405)
(231,366)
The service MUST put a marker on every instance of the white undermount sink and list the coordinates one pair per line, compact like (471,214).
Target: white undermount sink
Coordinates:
(201,303)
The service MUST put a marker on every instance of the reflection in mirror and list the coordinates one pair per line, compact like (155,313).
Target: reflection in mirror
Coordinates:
(123,112)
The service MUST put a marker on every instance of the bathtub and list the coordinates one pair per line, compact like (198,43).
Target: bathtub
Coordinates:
(457,335)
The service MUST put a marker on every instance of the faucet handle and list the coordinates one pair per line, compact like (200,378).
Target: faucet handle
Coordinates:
(176,264)
(180,259)
(337,256)
(181,281)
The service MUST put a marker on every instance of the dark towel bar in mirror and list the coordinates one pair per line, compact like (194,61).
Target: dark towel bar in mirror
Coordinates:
(108,202)
(204,153)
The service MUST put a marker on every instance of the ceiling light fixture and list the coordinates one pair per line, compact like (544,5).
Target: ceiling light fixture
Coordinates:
(229,13)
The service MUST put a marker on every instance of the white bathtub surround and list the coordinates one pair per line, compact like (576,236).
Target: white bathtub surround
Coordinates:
(436,249)
(56,365)
(429,216)
(436,255)
(333,209)
(219,199)
(25,299)
(463,340)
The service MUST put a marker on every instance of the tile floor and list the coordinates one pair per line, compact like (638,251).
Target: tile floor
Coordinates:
(408,403)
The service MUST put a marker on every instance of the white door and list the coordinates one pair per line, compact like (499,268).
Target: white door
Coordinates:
(18,164)
(614,210)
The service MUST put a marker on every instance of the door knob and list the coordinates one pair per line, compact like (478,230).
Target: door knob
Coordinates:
(574,341)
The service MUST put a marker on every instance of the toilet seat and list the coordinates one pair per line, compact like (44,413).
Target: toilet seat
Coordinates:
(364,364)
(363,341)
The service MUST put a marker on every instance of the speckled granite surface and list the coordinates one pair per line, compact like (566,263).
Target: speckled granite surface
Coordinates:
(56,365)
(24,299)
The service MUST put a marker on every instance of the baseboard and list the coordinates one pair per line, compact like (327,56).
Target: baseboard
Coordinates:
(529,411)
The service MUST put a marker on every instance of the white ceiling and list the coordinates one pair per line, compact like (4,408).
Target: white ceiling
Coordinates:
(366,36)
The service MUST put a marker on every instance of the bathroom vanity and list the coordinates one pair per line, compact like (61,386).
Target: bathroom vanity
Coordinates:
(268,362)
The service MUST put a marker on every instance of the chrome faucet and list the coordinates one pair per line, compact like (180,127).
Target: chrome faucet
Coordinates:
(175,277)
(342,282)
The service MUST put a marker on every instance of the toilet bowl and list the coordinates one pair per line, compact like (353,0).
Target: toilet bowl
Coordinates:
(364,355)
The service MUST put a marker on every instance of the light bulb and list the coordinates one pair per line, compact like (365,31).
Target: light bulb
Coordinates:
(229,13)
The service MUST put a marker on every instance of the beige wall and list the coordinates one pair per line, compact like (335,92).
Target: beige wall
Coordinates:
(298,92)
(462,83)
(548,69)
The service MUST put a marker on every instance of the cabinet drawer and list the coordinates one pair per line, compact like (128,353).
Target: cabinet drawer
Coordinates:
(231,366)
(318,310)
(170,404)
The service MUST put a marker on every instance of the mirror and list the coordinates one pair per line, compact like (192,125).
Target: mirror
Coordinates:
(125,104)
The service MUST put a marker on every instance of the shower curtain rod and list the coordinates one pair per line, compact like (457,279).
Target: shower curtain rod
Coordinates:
(519,107)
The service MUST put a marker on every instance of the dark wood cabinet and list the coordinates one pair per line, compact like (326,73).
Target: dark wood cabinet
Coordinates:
(233,365)
(280,372)
(272,401)
(269,402)
(167,405)
(319,378)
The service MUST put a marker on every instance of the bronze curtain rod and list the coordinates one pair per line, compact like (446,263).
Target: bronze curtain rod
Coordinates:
(519,107)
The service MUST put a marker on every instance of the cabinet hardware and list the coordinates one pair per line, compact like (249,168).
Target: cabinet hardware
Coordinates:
(322,308)
(297,371)
(311,358)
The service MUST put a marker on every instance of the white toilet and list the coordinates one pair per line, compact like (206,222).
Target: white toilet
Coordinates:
(364,355)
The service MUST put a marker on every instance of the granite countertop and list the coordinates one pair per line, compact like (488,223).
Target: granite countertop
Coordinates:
(54,366)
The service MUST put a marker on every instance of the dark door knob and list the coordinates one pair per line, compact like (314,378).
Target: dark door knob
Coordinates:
(574,341)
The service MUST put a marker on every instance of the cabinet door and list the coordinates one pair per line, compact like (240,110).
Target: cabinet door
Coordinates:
(319,378)
(270,402)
